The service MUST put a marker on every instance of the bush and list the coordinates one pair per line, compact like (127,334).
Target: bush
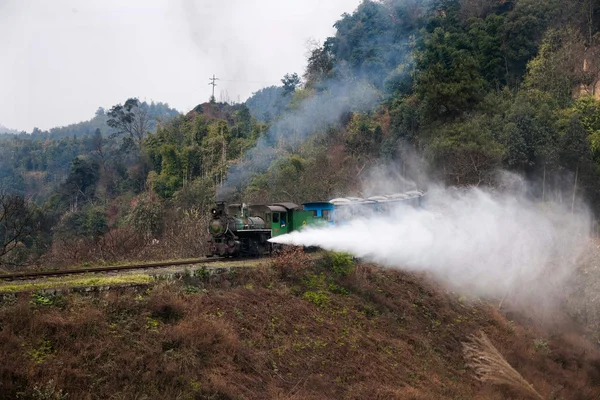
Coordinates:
(319,298)
(292,262)
(165,304)
(342,263)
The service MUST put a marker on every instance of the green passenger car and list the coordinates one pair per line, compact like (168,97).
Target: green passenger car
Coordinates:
(288,217)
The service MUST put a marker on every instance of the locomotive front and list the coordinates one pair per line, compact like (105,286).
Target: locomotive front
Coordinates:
(223,241)
(233,233)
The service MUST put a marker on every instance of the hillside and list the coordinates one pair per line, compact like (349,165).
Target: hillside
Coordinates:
(293,330)
(494,98)
(450,93)
(5,130)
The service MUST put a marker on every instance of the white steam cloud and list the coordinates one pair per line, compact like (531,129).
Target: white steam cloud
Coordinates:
(488,243)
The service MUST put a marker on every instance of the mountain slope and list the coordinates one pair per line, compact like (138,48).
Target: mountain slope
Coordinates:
(294,330)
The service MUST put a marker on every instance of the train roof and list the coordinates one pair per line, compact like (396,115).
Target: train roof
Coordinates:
(267,208)
(376,199)
(289,206)
(277,207)
(318,204)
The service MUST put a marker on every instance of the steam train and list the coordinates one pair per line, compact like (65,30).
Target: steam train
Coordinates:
(241,230)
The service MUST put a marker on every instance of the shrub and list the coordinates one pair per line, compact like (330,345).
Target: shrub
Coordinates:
(48,391)
(319,298)
(342,263)
(292,262)
(166,305)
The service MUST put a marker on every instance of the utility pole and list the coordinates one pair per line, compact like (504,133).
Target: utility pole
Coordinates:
(213,83)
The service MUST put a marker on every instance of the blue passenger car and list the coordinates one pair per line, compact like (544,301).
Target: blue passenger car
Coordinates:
(320,209)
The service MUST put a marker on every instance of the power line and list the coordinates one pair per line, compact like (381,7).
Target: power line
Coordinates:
(213,83)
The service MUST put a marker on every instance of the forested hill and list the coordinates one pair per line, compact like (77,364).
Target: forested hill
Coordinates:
(4,130)
(473,86)
(156,112)
(455,90)
(34,163)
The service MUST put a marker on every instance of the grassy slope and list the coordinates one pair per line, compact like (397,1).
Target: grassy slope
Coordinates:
(293,331)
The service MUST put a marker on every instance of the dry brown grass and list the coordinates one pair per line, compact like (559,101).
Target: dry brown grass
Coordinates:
(256,334)
(118,245)
(292,262)
(490,366)
(184,236)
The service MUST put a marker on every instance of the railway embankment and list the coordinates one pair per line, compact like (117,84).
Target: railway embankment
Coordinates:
(82,281)
(294,327)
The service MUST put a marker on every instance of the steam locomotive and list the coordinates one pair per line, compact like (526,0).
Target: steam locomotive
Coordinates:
(241,230)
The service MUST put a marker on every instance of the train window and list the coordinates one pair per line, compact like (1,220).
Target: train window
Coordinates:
(268,217)
(325,214)
(275,218)
(314,213)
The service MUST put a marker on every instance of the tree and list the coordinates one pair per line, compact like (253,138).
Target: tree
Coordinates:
(320,64)
(522,31)
(80,186)
(559,65)
(17,222)
(147,216)
(90,223)
(448,80)
(267,103)
(130,119)
(466,153)
(290,83)
(476,8)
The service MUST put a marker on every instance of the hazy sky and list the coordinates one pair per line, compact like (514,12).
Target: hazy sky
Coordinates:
(62,59)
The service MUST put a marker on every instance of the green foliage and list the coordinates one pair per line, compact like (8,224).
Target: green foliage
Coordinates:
(541,346)
(90,223)
(44,299)
(41,300)
(523,29)
(40,353)
(147,216)
(372,41)
(530,130)
(474,86)
(268,103)
(318,298)
(21,223)
(290,83)
(449,81)
(135,120)
(587,109)
(465,153)
(202,273)
(558,67)
(342,264)
(152,324)
(363,135)
(194,150)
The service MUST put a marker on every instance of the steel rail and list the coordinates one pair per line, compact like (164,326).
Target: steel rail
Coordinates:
(76,271)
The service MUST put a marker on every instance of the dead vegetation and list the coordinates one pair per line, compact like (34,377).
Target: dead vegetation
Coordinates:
(184,236)
(293,330)
(491,367)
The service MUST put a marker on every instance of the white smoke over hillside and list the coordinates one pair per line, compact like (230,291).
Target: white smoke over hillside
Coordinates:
(487,243)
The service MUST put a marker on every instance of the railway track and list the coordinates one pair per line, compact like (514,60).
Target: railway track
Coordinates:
(78,271)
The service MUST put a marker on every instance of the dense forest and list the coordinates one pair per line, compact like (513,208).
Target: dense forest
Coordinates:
(455,90)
